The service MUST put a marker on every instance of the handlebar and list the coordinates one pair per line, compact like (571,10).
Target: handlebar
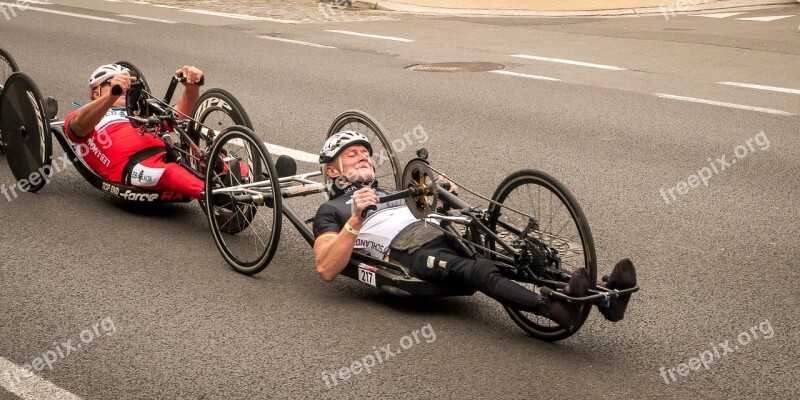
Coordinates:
(117,89)
(174,83)
(385,199)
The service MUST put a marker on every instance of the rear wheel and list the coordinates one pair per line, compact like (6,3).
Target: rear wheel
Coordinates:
(215,110)
(239,165)
(387,166)
(558,239)
(7,67)
(26,132)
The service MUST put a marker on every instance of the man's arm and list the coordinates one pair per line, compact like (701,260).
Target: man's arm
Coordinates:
(87,117)
(191,91)
(332,250)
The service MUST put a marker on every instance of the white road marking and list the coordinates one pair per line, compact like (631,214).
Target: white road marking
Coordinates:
(163,21)
(722,104)
(396,39)
(30,387)
(298,155)
(717,15)
(766,19)
(237,16)
(762,87)
(67,14)
(570,62)
(509,73)
(277,39)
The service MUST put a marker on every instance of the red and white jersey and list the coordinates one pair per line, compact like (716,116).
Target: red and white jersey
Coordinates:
(110,145)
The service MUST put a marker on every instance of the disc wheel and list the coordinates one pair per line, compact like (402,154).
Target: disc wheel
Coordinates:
(135,72)
(387,167)
(7,67)
(26,132)
(215,110)
(246,235)
(559,239)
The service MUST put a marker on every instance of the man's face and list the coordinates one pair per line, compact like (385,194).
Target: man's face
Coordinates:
(355,164)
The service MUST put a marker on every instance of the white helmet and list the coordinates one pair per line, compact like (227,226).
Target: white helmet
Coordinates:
(104,73)
(340,141)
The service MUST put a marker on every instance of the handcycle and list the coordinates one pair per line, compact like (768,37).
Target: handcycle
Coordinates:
(532,244)
(218,124)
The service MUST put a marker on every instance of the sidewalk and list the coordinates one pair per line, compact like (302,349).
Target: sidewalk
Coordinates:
(558,7)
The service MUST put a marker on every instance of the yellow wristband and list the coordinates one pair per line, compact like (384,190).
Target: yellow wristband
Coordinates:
(350,229)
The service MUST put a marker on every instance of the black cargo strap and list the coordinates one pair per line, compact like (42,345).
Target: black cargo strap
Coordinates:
(138,158)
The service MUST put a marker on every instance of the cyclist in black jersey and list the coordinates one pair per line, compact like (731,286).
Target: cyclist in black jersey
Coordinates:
(393,232)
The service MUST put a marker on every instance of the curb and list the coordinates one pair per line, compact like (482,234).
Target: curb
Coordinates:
(408,8)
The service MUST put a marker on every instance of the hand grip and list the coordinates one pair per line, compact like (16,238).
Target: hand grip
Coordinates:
(371,207)
(182,79)
(116,90)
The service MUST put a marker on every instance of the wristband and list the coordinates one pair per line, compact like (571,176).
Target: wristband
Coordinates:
(350,229)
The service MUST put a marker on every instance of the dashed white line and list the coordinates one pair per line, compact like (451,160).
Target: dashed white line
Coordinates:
(163,21)
(517,74)
(30,387)
(762,87)
(723,104)
(278,39)
(570,62)
(396,39)
(717,15)
(298,155)
(766,19)
(68,14)
(237,16)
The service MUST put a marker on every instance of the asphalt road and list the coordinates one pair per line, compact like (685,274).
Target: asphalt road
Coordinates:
(169,319)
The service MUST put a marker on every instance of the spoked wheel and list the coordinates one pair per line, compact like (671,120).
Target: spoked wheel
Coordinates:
(558,239)
(7,67)
(135,72)
(26,132)
(239,165)
(216,109)
(387,168)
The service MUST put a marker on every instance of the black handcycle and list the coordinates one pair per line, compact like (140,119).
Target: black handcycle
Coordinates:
(532,228)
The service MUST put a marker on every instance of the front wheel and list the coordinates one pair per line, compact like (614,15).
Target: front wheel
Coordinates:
(245,233)
(537,213)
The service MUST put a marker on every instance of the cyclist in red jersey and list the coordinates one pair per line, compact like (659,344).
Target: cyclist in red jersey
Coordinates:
(116,150)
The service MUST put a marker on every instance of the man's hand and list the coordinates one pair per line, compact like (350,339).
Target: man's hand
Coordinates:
(362,198)
(191,74)
(191,92)
(122,80)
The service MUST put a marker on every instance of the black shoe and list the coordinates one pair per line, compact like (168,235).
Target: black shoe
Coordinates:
(567,314)
(623,276)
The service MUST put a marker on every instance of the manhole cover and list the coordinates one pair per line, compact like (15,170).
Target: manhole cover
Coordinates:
(456,67)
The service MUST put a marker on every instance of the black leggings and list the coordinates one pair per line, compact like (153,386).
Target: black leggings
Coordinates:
(436,261)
